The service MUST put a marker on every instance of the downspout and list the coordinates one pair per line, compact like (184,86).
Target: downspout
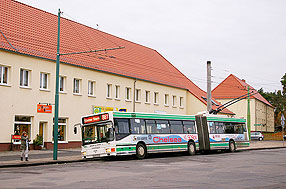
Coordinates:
(134,93)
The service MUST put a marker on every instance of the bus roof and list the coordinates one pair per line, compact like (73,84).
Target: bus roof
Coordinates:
(172,116)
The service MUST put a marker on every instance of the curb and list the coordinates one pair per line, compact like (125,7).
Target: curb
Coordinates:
(45,163)
(267,148)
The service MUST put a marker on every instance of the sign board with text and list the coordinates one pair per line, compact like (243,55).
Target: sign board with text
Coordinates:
(101,109)
(44,108)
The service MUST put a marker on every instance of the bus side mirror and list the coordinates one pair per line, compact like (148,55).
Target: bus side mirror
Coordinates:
(75,128)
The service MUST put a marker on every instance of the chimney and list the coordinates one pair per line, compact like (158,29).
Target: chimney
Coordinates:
(243,80)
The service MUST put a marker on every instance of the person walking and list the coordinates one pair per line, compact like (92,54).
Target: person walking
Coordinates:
(24,146)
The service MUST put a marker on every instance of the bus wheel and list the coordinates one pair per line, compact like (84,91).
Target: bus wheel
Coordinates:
(231,146)
(141,151)
(191,149)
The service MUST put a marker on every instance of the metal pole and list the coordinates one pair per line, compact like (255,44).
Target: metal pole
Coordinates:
(209,96)
(248,114)
(283,125)
(55,153)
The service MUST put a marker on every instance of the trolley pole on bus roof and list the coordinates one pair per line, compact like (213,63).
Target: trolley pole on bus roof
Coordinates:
(209,88)
(55,153)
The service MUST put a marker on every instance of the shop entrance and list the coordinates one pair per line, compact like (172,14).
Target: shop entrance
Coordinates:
(42,126)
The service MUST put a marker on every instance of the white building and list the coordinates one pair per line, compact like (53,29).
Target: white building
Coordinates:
(135,78)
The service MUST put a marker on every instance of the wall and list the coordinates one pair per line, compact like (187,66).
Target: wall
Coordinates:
(16,100)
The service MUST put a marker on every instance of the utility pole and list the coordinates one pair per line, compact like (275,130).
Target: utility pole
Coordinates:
(209,88)
(248,113)
(55,153)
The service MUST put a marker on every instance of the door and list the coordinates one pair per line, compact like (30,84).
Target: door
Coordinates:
(41,130)
(203,132)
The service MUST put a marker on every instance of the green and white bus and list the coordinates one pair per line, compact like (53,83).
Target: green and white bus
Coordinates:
(122,133)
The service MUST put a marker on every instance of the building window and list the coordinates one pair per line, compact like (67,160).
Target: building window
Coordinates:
(3,74)
(174,102)
(109,90)
(62,126)
(91,88)
(128,94)
(147,96)
(156,98)
(24,78)
(76,86)
(166,100)
(117,92)
(62,84)
(181,102)
(21,124)
(137,95)
(43,81)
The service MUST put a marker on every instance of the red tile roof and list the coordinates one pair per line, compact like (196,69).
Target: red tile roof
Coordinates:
(233,87)
(34,32)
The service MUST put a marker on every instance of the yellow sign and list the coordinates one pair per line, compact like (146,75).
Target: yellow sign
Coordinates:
(100,109)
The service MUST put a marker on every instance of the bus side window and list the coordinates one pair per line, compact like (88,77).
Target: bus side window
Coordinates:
(238,128)
(189,127)
(229,129)
(176,127)
(121,128)
(220,129)
(137,126)
(244,127)
(163,126)
(212,126)
(151,127)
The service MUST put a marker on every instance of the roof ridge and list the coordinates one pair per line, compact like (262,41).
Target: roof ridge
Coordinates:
(239,81)
(221,83)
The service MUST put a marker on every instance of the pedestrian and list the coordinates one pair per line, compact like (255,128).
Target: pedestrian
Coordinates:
(24,146)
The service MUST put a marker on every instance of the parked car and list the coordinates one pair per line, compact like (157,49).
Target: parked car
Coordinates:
(256,136)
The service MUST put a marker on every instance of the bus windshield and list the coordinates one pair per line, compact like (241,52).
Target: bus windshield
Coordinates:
(97,133)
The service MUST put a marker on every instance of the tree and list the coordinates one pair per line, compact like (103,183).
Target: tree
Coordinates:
(277,99)
(283,82)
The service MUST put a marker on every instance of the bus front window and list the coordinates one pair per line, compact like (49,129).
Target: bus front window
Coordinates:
(97,133)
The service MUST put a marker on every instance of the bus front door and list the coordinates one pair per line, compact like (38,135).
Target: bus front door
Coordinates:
(203,132)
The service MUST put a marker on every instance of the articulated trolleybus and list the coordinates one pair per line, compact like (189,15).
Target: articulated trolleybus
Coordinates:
(121,133)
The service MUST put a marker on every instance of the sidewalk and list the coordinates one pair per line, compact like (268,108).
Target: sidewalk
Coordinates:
(44,157)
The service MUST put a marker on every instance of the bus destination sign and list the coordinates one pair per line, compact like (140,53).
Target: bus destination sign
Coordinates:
(95,118)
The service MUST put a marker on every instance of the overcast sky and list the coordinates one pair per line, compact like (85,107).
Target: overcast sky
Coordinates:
(244,37)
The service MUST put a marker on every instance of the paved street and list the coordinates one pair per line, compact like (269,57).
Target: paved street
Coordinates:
(244,169)
(42,157)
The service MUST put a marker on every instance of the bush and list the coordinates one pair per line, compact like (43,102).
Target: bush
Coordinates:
(38,140)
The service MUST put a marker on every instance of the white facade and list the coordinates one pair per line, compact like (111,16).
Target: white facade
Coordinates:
(31,81)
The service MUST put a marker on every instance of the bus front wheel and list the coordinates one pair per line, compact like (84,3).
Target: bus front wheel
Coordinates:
(231,146)
(191,149)
(141,151)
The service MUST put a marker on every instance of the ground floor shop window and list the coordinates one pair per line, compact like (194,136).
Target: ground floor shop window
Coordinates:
(21,124)
(62,124)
